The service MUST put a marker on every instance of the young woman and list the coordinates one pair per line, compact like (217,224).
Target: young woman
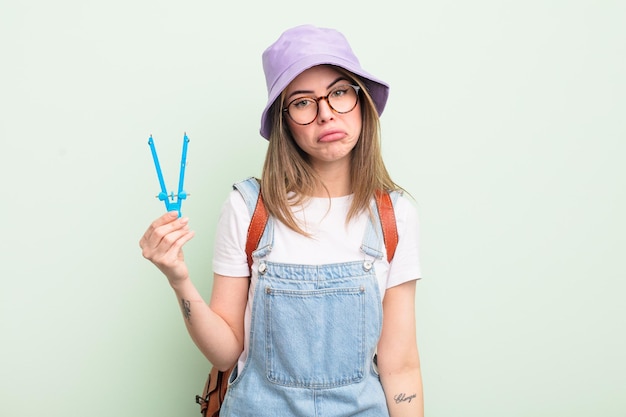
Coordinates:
(322,324)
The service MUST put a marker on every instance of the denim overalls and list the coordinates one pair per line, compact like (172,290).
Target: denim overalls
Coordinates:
(313,335)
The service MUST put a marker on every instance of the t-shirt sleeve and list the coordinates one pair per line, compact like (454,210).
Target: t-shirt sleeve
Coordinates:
(405,265)
(229,251)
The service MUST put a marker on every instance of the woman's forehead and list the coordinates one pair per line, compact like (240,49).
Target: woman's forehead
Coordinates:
(315,78)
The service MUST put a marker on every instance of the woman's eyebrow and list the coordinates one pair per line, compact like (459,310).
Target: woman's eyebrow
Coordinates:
(311,91)
(336,81)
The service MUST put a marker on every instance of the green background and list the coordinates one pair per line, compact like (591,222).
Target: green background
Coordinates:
(505,122)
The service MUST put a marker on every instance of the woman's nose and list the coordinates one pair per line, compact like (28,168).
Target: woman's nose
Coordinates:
(324,111)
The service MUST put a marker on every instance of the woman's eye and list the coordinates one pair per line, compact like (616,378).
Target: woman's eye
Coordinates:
(339,92)
(301,103)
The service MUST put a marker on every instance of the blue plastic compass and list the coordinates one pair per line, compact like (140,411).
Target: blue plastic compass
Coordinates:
(172,201)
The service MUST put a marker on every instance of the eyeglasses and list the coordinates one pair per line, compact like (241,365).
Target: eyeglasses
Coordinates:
(342,99)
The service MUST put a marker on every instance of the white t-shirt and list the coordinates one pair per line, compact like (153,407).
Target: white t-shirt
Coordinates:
(332,241)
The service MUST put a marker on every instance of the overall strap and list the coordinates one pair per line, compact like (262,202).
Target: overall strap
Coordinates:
(250,190)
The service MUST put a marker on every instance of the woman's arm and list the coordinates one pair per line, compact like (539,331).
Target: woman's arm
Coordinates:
(217,329)
(398,358)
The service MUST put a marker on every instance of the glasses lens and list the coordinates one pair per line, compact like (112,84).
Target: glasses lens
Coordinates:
(342,99)
(303,110)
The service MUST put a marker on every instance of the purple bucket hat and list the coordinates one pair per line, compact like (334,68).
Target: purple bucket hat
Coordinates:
(304,47)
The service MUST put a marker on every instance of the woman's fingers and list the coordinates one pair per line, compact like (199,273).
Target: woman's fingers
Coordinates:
(162,244)
(167,222)
(168,233)
(164,234)
(176,249)
(169,249)
(160,228)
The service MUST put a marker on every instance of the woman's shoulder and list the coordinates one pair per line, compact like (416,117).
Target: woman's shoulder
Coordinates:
(404,202)
(406,212)
(234,206)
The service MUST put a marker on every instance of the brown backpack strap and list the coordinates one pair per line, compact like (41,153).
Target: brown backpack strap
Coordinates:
(255,230)
(387,222)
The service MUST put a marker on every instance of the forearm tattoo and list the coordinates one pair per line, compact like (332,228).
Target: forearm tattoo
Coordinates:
(186,306)
(402,397)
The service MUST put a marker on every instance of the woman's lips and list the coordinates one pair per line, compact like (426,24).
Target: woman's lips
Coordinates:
(331,136)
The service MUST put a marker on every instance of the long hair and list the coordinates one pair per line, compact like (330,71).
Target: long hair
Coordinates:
(288,179)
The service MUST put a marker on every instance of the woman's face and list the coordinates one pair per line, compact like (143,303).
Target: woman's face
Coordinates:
(331,137)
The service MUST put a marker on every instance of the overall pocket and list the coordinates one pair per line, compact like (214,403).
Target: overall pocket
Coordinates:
(315,338)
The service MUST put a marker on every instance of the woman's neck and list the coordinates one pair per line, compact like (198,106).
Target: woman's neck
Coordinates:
(335,180)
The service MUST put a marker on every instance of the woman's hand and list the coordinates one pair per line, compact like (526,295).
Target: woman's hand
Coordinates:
(162,245)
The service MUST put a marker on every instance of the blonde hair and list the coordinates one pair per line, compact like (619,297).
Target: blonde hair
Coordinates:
(288,179)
